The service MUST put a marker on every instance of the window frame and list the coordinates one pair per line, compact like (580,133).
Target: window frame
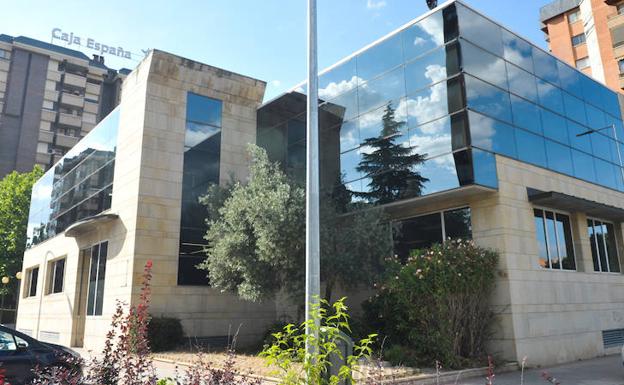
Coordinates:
(51,276)
(561,212)
(29,281)
(621,65)
(608,258)
(577,16)
(88,312)
(581,36)
(585,59)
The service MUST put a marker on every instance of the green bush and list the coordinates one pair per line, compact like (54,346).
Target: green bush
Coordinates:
(436,304)
(164,333)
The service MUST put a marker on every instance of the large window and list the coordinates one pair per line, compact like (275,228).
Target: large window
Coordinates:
(202,155)
(97,273)
(56,273)
(603,246)
(32,275)
(423,231)
(554,240)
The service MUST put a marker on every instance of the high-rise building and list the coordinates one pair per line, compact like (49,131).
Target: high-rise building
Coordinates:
(588,34)
(50,97)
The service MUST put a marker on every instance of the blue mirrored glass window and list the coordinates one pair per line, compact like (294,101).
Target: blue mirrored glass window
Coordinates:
(607,173)
(483,65)
(433,138)
(345,104)
(480,30)
(371,124)
(554,126)
(559,157)
(570,79)
(488,99)
(492,135)
(522,83)
(531,148)
(380,58)
(595,118)
(423,36)
(575,108)
(545,66)
(517,51)
(484,168)
(526,114)
(583,166)
(582,142)
(427,105)
(550,96)
(426,70)
(382,90)
(338,80)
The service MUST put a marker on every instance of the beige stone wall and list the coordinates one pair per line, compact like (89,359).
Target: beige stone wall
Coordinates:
(548,316)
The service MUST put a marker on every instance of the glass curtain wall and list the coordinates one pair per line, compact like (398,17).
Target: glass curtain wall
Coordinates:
(80,185)
(526,104)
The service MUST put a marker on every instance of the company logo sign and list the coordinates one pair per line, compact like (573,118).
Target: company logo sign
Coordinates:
(71,39)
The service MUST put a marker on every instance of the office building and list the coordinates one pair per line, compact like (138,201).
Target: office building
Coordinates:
(507,145)
(50,97)
(588,34)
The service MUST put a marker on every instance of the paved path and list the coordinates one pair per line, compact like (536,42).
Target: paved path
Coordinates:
(599,371)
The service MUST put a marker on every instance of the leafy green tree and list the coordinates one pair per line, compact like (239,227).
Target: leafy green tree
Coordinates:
(15,192)
(256,236)
(390,165)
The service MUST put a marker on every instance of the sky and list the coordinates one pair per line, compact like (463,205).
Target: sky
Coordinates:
(262,39)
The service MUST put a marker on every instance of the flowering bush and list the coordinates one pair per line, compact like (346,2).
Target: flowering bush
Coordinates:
(435,306)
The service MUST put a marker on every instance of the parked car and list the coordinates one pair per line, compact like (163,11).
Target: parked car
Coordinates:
(20,354)
(622,355)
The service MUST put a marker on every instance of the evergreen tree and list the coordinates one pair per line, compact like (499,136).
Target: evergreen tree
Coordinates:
(389,166)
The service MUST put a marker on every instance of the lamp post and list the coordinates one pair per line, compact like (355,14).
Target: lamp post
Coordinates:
(432,4)
(5,281)
(313,281)
(42,280)
(617,145)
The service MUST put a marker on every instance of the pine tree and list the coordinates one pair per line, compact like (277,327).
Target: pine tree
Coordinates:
(390,165)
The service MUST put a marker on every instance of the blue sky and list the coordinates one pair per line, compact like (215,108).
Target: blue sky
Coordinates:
(263,39)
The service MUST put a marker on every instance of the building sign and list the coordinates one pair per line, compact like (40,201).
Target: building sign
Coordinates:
(71,39)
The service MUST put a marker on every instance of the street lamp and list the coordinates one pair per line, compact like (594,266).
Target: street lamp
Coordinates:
(612,126)
(432,4)
(5,281)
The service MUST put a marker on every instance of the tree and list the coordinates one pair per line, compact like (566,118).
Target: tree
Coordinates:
(390,165)
(256,236)
(15,192)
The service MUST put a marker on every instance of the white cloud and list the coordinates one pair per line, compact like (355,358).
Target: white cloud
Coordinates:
(276,83)
(372,4)
(334,89)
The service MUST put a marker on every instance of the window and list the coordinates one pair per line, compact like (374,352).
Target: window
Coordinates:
(621,66)
(423,231)
(31,282)
(56,273)
(620,8)
(97,272)
(578,39)
(584,63)
(574,16)
(4,54)
(603,246)
(7,342)
(554,240)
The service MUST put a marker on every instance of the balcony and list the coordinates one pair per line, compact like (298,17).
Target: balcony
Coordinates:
(93,88)
(91,107)
(48,115)
(615,20)
(70,120)
(66,141)
(72,100)
(46,136)
(75,80)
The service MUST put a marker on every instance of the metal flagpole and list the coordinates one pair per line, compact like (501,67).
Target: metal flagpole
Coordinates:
(313,281)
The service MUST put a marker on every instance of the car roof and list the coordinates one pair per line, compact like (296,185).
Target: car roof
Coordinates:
(21,335)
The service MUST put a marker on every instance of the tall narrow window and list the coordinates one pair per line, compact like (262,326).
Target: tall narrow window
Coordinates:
(603,246)
(202,159)
(32,275)
(97,273)
(554,240)
(56,273)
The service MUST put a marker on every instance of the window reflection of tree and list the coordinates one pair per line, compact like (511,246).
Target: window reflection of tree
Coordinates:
(390,165)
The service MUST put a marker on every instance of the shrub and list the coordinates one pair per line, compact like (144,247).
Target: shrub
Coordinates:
(436,303)
(164,333)
(288,351)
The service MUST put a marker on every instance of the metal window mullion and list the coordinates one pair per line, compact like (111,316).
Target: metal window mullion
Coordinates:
(97,279)
(593,222)
(604,241)
(557,241)
(546,238)
(443,226)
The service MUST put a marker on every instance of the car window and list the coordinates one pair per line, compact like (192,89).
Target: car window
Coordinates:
(7,342)
(21,343)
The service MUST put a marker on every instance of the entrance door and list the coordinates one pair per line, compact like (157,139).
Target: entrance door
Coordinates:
(80,303)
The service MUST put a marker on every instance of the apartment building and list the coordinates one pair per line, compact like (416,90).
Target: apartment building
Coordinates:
(519,151)
(50,97)
(588,34)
